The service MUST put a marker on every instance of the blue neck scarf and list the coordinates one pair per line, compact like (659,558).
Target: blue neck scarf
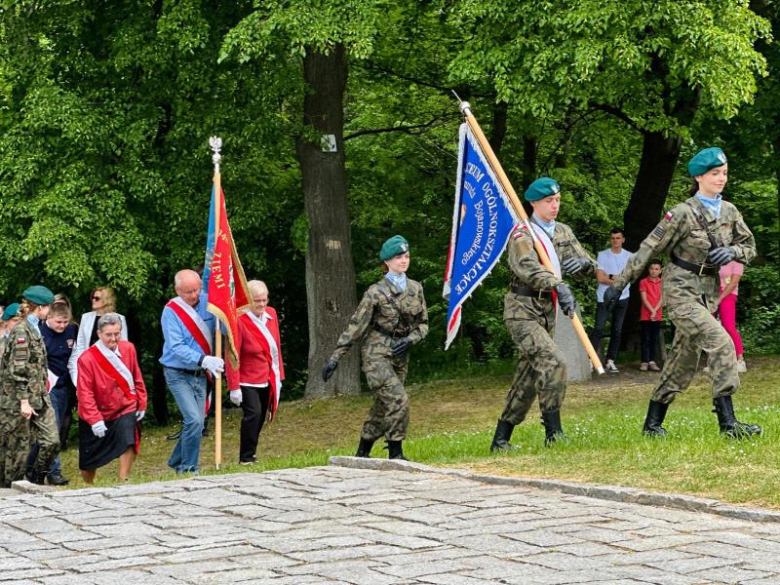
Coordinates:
(710,204)
(398,280)
(548,227)
(34,321)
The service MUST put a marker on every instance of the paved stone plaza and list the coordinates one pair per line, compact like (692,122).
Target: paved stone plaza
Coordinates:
(363,526)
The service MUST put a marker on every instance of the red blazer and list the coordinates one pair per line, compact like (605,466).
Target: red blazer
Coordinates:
(99,396)
(255,361)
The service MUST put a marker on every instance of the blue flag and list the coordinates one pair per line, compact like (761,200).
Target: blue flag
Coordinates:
(482,222)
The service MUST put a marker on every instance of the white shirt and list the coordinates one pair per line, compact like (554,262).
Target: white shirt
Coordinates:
(613,264)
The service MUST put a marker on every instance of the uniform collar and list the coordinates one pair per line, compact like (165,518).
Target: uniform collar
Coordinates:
(397,280)
(547,226)
(710,204)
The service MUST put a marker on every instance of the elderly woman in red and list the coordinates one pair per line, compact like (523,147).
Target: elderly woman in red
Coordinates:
(257,385)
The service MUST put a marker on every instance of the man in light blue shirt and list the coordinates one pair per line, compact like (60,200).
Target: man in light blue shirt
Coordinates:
(188,329)
(611,263)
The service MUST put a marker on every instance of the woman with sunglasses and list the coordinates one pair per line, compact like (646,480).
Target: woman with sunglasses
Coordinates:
(103,301)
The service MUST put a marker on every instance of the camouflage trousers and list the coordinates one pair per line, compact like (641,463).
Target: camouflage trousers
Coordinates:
(697,331)
(17,435)
(389,415)
(541,371)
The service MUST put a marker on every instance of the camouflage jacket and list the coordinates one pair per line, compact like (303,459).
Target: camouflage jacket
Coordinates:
(387,308)
(23,368)
(682,234)
(528,271)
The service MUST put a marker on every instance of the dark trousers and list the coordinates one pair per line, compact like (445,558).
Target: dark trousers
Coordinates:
(650,331)
(254,403)
(602,316)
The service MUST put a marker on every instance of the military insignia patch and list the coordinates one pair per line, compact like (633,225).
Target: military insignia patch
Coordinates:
(658,232)
(21,340)
(669,215)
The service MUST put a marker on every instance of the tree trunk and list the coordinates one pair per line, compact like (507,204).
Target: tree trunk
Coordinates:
(330,274)
(656,168)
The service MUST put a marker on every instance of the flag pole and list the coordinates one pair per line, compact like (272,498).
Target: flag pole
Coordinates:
(465,108)
(216,146)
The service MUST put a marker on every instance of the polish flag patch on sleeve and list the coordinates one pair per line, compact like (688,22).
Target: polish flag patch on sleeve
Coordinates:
(669,215)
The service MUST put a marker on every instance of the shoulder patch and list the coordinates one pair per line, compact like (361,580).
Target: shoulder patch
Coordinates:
(669,215)
(520,231)
(21,340)
(658,232)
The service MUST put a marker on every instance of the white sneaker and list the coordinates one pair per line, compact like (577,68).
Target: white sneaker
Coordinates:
(611,367)
(741,366)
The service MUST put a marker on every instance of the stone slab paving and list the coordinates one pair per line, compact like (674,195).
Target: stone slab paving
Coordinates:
(369,526)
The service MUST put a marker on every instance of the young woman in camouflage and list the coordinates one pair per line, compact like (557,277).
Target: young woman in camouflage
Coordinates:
(700,234)
(26,413)
(391,317)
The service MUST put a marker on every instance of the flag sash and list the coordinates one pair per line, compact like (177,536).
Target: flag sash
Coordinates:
(266,339)
(193,322)
(113,367)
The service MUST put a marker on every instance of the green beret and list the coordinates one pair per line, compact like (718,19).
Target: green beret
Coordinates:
(392,247)
(542,188)
(11,311)
(38,295)
(707,159)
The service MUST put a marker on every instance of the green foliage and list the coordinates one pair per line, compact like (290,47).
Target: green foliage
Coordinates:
(646,60)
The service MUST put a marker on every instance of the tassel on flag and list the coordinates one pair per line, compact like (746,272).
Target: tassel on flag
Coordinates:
(482,221)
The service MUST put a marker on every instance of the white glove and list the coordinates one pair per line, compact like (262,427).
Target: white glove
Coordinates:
(213,364)
(236,397)
(99,428)
(139,415)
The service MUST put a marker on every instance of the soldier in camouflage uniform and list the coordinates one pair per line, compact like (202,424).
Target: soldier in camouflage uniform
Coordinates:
(10,318)
(26,414)
(530,313)
(391,317)
(700,234)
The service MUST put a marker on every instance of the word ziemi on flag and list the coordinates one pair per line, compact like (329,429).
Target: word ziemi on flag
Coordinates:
(482,221)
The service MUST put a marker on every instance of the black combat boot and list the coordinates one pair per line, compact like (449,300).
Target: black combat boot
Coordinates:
(729,425)
(36,477)
(501,438)
(364,448)
(57,479)
(552,427)
(656,413)
(395,450)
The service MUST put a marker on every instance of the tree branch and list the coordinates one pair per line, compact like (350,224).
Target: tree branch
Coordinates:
(618,114)
(408,129)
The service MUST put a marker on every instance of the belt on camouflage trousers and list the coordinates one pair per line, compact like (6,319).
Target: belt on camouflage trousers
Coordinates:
(700,269)
(524,291)
(390,334)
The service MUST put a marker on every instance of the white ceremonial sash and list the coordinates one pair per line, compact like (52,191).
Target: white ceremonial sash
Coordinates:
(117,364)
(273,348)
(548,246)
(197,320)
(51,380)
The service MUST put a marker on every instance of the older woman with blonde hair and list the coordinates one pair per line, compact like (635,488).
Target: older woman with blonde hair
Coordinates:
(257,384)
(103,301)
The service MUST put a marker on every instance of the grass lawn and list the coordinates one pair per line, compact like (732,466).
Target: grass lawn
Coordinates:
(453,421)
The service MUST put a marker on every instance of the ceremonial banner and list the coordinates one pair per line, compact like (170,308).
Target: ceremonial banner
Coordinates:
(483,220)
(223,276)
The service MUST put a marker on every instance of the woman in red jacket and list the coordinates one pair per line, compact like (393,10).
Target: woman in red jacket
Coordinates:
(257,386)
